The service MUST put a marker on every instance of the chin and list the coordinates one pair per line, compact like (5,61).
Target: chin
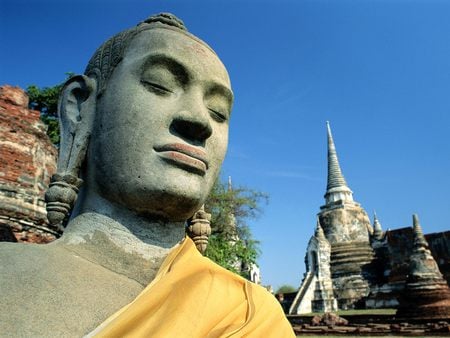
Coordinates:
(165,204)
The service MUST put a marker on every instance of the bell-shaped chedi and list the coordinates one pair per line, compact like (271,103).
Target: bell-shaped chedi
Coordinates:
(27,161)
(347,227)
(426,294)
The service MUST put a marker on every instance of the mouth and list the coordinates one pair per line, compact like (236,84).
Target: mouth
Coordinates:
(184,156)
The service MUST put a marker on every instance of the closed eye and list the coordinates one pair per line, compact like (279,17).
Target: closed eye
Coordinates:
(156,88)
(219,117)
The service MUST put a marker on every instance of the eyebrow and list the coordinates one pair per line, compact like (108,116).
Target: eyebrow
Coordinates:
(175,67)
(182,73)
(223,90)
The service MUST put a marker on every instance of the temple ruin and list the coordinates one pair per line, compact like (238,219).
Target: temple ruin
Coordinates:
(353,264)
(28,159)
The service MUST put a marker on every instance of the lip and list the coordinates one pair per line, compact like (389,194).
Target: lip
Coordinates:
(187,157)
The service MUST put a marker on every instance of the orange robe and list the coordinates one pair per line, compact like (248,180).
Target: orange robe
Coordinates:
(191,296)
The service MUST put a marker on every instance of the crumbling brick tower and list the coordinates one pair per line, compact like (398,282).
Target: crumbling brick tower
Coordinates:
(27,161)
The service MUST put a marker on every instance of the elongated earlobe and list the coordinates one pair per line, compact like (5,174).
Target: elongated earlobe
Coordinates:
(76,110)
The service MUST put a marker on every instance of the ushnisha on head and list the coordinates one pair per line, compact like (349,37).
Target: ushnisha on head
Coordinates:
(146,127)
(110,53)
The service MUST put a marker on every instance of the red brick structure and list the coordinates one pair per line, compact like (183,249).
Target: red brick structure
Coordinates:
(27,161)
(426,294)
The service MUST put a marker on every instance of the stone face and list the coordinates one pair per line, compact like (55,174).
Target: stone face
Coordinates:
(143,177)
(184,142)
(27,161)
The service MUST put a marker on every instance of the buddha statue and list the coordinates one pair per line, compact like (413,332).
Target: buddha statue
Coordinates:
(143,134)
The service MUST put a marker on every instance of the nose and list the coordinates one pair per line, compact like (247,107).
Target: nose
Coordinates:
(193,125)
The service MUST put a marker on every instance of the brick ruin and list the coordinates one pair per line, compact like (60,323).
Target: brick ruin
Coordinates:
(353,264)
(426,293)
(27,161)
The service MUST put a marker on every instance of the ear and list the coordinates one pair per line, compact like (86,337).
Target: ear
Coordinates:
(76,110)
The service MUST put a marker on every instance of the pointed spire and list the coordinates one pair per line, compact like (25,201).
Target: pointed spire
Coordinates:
(377,230)
(427,294)
(335,177)
(419,238)
(230,186)
(319,231)
(337,188)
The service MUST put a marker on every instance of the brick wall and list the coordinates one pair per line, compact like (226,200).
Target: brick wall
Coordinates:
(27,161)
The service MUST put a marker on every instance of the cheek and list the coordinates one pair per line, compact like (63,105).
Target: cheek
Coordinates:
(218,147)
(132,118)
(222,142)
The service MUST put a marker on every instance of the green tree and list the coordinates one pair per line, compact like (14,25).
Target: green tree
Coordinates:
(285,289)
(231,243)
(45,100)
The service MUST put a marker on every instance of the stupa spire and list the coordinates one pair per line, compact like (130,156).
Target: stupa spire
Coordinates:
(419,238)
(337,188)
(335,177)
(426,293)
(319,234)
(377,230)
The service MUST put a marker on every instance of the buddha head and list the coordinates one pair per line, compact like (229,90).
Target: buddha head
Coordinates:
(146,127)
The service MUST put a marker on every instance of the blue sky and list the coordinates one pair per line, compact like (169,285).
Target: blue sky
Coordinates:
(379,71)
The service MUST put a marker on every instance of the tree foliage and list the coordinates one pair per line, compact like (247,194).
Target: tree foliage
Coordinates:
(231,243)
(45,100)
(286,289)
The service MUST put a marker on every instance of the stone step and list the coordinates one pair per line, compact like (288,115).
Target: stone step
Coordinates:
(353,253)
(352,248)
(359,256)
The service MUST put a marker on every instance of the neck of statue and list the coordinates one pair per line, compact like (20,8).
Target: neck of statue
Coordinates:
(112,236)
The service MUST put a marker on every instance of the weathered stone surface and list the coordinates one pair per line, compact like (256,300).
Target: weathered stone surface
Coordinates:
(148,162)
(439,245)
(426,294)
(316,291)
(389,327)
(329,319)
(199,229)
(332,319)
(27,159)
(346,227)
(316,320)
(368,266)
(345,223)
